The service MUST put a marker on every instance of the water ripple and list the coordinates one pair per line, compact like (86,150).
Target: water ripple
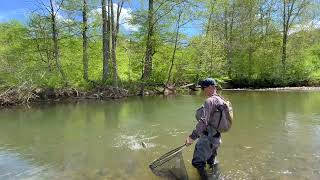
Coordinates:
(134,142)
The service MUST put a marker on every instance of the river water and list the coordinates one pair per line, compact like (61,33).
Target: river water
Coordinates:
(275,135)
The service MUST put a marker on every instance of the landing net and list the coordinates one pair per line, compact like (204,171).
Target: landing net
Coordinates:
(170,165)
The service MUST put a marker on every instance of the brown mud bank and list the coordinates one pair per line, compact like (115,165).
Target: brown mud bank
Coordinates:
(25,95)
(28,94)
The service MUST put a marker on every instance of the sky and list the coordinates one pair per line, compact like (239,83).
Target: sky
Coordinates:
(14,9)
(19,10)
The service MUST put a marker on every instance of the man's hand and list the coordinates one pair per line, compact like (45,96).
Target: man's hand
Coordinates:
(189,141)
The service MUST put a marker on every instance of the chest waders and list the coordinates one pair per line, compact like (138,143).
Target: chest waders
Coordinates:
(205,150)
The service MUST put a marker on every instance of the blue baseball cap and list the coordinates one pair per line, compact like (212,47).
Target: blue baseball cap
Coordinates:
(207,82)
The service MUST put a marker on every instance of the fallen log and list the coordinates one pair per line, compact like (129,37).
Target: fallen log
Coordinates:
(191,86)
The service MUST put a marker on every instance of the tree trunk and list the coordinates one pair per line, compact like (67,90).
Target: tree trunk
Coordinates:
(85,40)
(284,36)
(113,49)
(56,51)
(149,49)
(210,28)
(250,61)
(228,28)
(119,9)
(284,50)
(105,40)
(291,10)
(175,46)
(250,49)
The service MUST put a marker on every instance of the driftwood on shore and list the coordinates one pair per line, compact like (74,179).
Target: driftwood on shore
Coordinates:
(107,92)
(18,94)
(191,86)
(103,92)
(169,89)
(27,93)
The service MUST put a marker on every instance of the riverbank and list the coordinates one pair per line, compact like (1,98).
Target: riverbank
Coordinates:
(26,94)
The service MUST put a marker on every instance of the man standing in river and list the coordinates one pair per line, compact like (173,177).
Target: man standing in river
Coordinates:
(206,130)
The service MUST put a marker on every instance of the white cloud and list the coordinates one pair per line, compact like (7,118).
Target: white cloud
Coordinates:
(62,17)
(125,17)
(317,24)
(314,24)
(124,20)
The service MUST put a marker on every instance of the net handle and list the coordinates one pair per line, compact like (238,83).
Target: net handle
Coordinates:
(173,152)
(183,146)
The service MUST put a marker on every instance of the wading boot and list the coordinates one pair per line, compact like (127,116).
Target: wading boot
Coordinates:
(213,167)
(214,171)
(203,174)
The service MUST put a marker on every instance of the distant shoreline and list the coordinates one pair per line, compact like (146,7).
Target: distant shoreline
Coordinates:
(109,93)
(283,89)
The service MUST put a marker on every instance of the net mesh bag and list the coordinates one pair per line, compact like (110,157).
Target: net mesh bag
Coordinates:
(170,165)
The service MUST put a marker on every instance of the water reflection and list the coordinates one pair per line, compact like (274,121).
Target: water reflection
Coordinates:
(15,166)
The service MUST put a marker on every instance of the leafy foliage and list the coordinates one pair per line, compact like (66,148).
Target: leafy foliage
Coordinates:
(243,36)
